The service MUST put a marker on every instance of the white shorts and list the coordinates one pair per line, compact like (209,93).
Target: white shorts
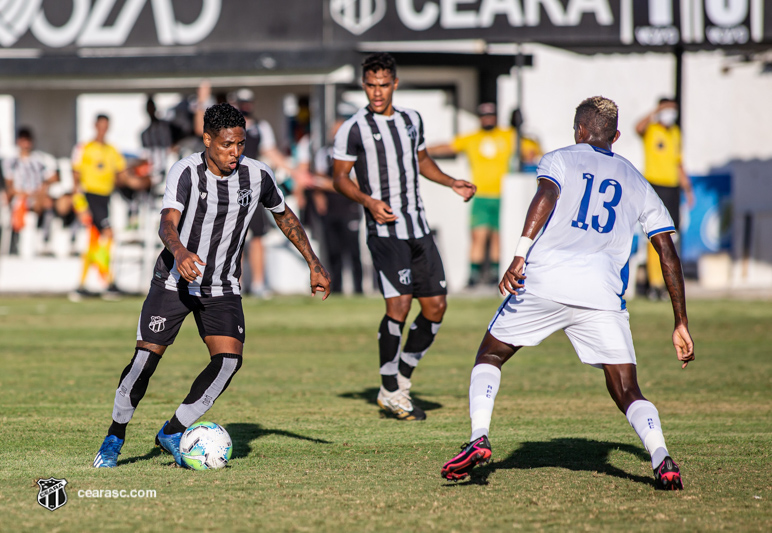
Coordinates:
(599,337)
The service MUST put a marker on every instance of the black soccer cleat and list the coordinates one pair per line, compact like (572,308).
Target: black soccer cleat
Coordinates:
(472,453)
(667,476)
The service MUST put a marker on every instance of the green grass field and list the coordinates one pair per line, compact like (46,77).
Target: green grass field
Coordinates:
(313,454)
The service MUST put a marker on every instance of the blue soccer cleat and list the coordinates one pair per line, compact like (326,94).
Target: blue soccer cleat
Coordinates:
(107,456)
(170,443)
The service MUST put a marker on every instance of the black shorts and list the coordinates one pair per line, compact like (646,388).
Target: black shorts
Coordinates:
(259,223)
(99,206)
(411,266)
(164,311)
(671,197)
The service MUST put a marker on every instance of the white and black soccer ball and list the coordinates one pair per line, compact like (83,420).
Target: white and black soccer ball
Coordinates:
(206,446)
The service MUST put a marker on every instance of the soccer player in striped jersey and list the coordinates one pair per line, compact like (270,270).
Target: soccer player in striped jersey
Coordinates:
(575,246)
(210,198)
(385,146)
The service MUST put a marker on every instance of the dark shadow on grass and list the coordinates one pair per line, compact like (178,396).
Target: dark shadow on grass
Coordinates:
(243,434)
(571,454)
(154,452)
(370,395)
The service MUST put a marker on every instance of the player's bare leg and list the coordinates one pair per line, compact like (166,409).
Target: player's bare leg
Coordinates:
(483,387)
(622,384)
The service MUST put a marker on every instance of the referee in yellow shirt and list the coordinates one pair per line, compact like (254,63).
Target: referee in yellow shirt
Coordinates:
(663,168)
(489,151)
(97,166)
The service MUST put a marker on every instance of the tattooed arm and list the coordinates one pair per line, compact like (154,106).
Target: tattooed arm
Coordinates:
(290,225)
(674,280)
(186,260)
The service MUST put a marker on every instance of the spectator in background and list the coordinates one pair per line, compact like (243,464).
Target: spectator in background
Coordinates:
(663,168)
(96,169)
(29,174)
(260,144)
(489,151)
(341,219)
(158,142)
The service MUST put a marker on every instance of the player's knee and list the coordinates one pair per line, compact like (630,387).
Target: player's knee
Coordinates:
(434,309)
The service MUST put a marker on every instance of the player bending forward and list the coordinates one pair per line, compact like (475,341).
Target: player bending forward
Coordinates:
(210,199)
(587,202)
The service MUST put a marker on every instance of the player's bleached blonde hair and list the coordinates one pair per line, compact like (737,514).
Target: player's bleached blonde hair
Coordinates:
(600,116)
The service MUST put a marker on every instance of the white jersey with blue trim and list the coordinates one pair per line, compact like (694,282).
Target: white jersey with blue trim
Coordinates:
(581,257)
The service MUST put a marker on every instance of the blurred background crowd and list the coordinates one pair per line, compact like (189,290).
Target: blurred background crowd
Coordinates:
(92,116)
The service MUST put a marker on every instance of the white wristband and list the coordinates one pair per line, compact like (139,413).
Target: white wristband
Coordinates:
(523,245)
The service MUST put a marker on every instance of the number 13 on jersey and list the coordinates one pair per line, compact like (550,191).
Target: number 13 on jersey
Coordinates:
(581,217)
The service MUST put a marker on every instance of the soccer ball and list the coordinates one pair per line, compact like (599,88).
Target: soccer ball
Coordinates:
(205,446)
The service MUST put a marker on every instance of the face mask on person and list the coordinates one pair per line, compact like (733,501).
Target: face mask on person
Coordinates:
(667,117)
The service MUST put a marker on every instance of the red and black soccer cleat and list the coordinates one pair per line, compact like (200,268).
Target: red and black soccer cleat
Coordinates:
(667,476)
(472,453)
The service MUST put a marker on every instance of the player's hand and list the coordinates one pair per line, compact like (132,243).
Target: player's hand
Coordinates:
(381,211)
(684,344)
(464,189)
(320,280)
(513,277)
(187,264)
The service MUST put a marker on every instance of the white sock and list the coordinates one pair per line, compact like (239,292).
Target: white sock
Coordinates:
(483,386)
(644,418)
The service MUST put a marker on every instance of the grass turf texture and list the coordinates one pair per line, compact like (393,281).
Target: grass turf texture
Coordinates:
(312,453)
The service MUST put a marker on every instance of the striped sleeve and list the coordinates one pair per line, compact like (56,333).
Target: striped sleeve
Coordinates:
(178,186)
(270,194)
(348,141)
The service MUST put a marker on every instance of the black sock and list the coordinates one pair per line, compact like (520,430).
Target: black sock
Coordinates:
(389,382)
(131,389)
(419,339)
(405,369)
(389,341)
(118,430)
(174,426)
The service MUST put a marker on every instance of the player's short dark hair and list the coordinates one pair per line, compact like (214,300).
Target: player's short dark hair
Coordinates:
(24,133)
(667,100)
(379,61)
(102,116)
(222,117)
(600,116)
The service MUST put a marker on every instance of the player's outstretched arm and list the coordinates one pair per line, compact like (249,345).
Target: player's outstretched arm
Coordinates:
(187,261)
(429,169)
(674,280)
(539,212)
(290,225)
(380,210)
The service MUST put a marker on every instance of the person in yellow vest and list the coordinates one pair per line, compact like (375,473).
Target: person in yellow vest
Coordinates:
(96,168)
(663,168)
(489,151)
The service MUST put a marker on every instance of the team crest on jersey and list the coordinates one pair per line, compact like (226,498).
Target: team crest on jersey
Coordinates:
(245,197)
(412,132)
(157,324)
(377,136)
(405,276)
(52,494)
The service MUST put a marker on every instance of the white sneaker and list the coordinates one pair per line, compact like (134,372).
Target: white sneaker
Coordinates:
(399,404)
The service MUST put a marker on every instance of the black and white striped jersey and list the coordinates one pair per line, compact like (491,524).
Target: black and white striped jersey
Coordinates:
(385,151)
(27,174)
(215,217)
